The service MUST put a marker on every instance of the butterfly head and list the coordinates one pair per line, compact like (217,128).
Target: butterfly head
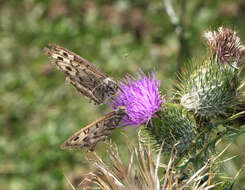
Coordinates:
(110,87)
(121,111)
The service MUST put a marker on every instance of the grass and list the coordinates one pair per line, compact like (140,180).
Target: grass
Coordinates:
(145,169)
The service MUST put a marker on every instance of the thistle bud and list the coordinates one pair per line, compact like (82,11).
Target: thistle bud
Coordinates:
(225,45)
(173,128)
(209,91)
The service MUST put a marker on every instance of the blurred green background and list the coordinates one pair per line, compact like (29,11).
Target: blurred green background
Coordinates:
(38,111)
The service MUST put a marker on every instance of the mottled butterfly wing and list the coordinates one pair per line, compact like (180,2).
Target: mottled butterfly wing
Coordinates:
(84,76)
(96,131)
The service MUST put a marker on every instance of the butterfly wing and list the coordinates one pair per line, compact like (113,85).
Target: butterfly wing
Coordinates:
(84,76)
(96,131)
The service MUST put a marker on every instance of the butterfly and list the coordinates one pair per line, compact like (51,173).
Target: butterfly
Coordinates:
(97,131)
(84,76)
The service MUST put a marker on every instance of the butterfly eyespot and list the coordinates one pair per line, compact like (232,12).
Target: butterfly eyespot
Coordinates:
(65,54)
(68,68)
(76,138)
(60,58)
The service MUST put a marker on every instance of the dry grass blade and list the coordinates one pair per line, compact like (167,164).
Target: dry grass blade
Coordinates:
(144,171)
(70,183)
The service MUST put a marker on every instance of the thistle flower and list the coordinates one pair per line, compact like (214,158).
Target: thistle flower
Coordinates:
(226,45)
(140,97)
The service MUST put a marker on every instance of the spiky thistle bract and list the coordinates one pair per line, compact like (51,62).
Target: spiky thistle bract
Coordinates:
(173,127)
(209,90)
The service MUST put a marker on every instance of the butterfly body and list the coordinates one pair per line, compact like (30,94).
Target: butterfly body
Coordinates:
(96,131)
(84,76)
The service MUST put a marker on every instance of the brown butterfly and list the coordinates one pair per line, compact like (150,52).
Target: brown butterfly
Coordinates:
(97,131)
(84,76)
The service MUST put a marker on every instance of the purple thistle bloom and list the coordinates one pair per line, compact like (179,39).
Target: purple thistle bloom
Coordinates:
(140,97)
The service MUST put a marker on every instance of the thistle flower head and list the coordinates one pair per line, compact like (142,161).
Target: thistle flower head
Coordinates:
(226,45)
(140,97)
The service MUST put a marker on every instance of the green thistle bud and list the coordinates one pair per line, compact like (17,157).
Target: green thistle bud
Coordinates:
(210,90)
(174,128)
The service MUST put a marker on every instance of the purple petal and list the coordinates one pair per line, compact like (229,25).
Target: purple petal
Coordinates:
(141,98)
